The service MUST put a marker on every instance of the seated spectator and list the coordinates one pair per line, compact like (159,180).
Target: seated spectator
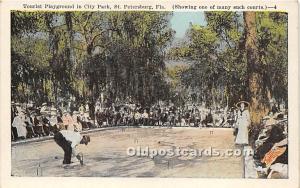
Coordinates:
(145,117)
(76,123)
(68,121)
(29,126)
(44,109)
(53,121)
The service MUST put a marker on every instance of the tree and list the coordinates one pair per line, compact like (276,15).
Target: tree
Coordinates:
(120,54)
(241,57)
(257,92)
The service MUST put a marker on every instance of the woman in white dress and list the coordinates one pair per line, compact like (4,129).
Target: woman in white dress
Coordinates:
(19,123)
(242,123)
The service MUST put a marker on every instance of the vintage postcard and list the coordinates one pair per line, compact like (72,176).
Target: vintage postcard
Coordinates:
(127,92)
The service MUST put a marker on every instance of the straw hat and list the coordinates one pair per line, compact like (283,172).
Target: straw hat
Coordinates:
(271,121)
(44,104)
(244,102)
(76,112)
(266,118)
(22,112)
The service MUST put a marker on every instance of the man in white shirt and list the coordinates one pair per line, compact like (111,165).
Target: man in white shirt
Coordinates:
(44,108)
(68,140)
(145,117)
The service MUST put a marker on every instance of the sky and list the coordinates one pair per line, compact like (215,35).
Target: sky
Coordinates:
(181,20)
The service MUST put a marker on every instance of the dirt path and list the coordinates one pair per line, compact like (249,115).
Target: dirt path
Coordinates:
(106,155)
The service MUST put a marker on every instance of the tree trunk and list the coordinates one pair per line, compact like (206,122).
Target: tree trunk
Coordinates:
(69,23)
(258,107)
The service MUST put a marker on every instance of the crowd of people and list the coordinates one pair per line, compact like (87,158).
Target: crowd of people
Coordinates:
(29,120)
(271,146)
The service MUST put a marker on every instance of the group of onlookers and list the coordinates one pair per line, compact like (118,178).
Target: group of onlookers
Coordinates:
(29,120)
(271,145)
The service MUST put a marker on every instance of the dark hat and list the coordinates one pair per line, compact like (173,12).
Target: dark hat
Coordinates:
(33,113)
(86,139)
(278,116)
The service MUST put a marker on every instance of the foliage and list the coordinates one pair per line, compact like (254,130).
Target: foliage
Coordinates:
(59,55)
(83,54)
(219,70)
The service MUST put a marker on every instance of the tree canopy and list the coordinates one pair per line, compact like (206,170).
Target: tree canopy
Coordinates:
(221,68)
(82,54)
(60,55)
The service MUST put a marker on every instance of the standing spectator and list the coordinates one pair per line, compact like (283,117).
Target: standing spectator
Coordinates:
(20,125)
(14,113)
(18,107)
(243,122)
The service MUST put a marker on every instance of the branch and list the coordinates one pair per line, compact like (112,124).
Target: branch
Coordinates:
(86,21)
(79,48)
(94,38)
(103,46)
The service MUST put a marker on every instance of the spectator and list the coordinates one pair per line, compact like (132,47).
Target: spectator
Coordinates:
(19,124)
(243,122)
(44,108)
(67,121)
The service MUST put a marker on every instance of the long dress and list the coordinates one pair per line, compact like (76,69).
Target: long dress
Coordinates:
(243,122)
(19,123)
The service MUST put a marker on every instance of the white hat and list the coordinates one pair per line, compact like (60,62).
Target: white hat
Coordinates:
(244,102)
(75,112)
(271,121)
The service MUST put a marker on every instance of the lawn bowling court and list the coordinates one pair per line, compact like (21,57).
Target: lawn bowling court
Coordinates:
(106,155)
